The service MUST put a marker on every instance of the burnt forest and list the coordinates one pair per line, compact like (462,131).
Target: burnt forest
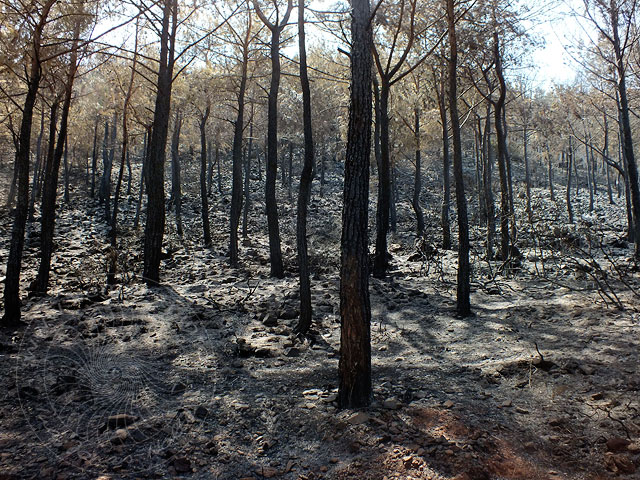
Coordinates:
(332,239)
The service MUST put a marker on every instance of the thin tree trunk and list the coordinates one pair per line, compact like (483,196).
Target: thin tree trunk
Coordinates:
(94,160)
(11,315)
(36,170)
(446,181)
(145,155)
(304,189)
(67,171)
(550,159)
(238,129)
(176,177)
(154,228)
(381,257)
(527,174)
(289,177)
(204,200)
(487,180)
(247,180)
(569,158)
(275,251)
(48,216)
(417,180)
(463,305)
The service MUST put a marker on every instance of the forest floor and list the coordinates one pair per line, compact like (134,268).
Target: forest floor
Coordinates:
(203,378)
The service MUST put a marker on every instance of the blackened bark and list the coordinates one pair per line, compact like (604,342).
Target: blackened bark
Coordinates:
(67,171)
(36,170)
(275,251)
(527,174)
(463,306)
(11,315)
(550,160)
(505,202)
(306,177)
(247,180)
(94,160)
(569,158)
(48,216)
(355,310)
(487,181)
(47,208)
(154,228)
(238,129)
(417,179)
(176,177)
(445,224)
(381,257)
(605,154)
(145,154)
(625,127)
(206,229)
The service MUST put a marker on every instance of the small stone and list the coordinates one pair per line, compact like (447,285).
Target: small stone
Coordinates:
(597,396)
(333,460)
(182,465)
(586,369)
(556,422)
(289,314)
(391,403)
(267,472)
(270,320)
(324,469)
(178,388)
(121,420)
(506,403)
(448,404)
(523,411)
(292,352)
(359,418)
(448,452)
(201,412)
(530,447)
(619,463)
(617,444)
(119,437)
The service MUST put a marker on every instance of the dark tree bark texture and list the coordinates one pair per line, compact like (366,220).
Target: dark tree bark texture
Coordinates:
(355,310)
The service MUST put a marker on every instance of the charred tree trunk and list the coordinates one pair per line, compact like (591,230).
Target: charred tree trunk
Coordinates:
(304,189)
(154,228)
(51,177)
(238,129)
(36,171)
(569,165)
(605,155)
(527,173)
(145,156)
(67,171)
(355,311)
(463,305)
(11,315)
(275,251)
(94,160)
(417,179)
(505,201)
(446,181)
(550,160)
(206,229)
(487,182)
(247,181)
(176,177)
(381,257)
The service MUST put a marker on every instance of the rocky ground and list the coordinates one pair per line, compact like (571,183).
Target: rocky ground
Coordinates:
(203,378)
